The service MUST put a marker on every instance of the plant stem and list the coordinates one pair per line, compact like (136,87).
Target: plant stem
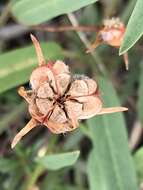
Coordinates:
(92,28)
(33,178)
(87,44)
(39,169)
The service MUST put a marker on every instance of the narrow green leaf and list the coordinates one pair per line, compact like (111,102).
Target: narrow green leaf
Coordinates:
(37,11)
(138,159)
(16,66)
(134,28)
(140,94)
(110,165)
(58,161)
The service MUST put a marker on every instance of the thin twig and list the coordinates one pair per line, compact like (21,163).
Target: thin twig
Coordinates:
(87,44)
(93,28)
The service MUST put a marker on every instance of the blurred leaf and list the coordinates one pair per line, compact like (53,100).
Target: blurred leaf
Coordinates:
(79,174)
(126,13)
(47,183)
(110,164)
(134,28)
(73,139)
(12,182)
(7,165)
(140,95)
(128,86)
(16,66)
(138,159)
(11,116)
(59,182)
(58,161)
(89,16)
(37,11)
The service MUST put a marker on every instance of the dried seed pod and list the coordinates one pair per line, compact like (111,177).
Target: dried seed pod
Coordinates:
(111,33)
(59,99)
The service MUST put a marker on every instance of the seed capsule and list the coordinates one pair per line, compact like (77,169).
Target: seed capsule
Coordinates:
(111,33)
(59,99)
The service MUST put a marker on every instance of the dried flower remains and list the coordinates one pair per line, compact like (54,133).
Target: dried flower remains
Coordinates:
(58,99)
(111,33)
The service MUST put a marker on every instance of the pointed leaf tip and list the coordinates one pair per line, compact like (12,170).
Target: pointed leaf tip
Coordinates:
(134,29)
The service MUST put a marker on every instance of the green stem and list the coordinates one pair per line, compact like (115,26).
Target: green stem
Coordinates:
(23,160)
(35,175)
(39,168)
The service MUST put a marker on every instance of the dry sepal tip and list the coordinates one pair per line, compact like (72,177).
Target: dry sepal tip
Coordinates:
(111,33)
(58,99)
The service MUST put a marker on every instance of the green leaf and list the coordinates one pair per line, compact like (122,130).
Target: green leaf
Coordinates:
(140,94)
(134,28)
(138,159)
(16,66)
(37,11)
(110,165)
(8,165)
(58,161)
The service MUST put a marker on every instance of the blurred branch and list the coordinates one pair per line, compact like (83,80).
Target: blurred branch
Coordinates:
(12,31)
(87,44)
(5,14)
(136,135)
(141,186)
(66,28)
(4,17)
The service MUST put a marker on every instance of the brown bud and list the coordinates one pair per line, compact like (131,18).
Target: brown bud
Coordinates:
(111,33)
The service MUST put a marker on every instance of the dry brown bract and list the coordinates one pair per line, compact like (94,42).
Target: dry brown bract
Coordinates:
(59,99)
(112,33)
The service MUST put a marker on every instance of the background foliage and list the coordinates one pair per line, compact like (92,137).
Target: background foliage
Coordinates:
(105,152)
